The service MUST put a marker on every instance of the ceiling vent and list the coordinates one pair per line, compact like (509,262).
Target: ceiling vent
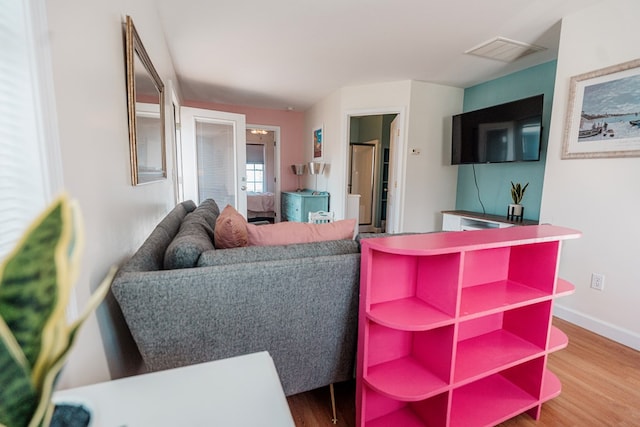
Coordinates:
(503,49)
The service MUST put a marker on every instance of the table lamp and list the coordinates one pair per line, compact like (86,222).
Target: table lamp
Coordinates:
(298,170)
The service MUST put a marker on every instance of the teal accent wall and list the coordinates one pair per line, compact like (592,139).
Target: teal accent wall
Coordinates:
(494,180)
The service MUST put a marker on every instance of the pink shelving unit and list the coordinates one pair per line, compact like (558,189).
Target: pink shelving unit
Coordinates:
(455,328)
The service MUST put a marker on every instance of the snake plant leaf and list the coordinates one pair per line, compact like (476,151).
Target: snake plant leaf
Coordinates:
(28,282)
(55,336)
(45,408)
(18,398)
(35,283)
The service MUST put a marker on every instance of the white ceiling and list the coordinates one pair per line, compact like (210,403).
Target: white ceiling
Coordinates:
(292,53)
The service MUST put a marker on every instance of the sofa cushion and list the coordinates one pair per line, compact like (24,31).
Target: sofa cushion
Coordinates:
(230,230)
(209,211)
(285,233)
(194,237)
(272,253)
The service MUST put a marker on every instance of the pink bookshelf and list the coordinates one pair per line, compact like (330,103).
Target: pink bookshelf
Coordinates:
(455,327)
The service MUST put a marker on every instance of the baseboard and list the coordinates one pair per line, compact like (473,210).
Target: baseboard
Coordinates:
(600,327)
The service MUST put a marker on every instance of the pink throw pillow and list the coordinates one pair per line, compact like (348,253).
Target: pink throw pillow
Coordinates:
(286,233)
(230,230)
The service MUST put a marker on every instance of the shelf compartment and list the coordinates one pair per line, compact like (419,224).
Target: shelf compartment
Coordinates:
(430,279)
(411,314)
(381,411)
(498,296)
(496,398)
(406,365)
(492,343)
(531,265)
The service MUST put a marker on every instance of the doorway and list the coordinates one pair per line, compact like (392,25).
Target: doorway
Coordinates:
(370,168)
(263,162)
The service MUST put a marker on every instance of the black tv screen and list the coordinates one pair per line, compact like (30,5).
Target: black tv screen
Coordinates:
(508,132)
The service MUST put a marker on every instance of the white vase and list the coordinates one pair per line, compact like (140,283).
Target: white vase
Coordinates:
(515,210)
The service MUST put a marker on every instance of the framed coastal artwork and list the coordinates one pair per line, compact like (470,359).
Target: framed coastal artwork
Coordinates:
(603,116)
(318,146)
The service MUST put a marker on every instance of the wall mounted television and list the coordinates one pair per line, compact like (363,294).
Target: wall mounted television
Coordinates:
(508,132)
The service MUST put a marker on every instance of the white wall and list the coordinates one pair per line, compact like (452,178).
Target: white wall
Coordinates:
(600,197)
(326,114)
(426,110)
(431,180)
(89,78)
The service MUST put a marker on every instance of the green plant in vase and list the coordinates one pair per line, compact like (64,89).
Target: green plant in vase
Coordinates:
(517,193)
(36,280)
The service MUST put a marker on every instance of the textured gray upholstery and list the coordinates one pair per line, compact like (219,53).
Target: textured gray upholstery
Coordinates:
(150,256)
(194,237)
(258,253)
(298,302)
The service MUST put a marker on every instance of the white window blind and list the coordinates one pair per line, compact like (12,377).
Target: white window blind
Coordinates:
(28,142)
(255,153)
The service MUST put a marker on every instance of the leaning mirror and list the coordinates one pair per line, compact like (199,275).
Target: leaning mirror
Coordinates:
(145,98)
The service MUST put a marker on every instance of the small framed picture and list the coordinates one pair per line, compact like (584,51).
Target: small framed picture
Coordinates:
(318,146)
(603,116)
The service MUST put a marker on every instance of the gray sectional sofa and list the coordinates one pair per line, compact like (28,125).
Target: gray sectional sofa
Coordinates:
(186,302)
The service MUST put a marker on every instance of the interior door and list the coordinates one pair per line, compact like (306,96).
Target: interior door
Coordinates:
(214,157)
(362,179)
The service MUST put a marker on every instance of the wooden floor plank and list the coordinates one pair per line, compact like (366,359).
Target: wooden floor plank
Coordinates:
(600,388)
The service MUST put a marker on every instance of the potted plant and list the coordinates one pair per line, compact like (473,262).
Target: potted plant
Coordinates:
(35,283)
(517,193)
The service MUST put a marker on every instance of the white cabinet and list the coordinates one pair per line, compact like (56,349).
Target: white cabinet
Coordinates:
(465,220)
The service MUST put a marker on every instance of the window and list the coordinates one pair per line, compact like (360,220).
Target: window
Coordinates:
(29,158)
(255,177)
(255,168)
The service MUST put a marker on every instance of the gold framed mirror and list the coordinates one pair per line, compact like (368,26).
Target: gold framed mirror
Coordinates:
(145,103)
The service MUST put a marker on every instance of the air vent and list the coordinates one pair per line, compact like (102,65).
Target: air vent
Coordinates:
(503,49)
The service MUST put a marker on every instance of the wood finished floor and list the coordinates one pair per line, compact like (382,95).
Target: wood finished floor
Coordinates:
(600,388)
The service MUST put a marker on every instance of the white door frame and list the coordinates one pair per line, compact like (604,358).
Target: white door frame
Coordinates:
(400,158)
(176,120)
(276,172)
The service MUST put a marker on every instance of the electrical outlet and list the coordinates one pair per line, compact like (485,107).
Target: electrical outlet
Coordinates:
(597,281)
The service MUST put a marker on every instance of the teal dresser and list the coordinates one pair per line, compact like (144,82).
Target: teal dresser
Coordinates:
(296,205)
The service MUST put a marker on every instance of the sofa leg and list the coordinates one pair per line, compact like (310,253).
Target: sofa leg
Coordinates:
(333,404)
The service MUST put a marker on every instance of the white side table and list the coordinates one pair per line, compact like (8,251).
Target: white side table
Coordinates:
(239,391)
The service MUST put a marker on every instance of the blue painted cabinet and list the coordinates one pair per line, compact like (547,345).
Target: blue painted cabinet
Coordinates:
(296,205)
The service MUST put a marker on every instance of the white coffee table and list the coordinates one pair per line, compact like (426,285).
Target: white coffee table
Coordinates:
(239,391)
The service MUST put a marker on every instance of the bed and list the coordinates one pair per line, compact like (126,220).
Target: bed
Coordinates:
(260,206)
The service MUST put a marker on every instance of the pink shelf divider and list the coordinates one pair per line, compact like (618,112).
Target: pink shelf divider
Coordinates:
(490,353)
(498,296)
(404,379)
(404,417)
(410,314)
(488,402)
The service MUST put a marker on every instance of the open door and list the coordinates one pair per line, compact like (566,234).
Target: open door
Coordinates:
(363,181)
(214,157)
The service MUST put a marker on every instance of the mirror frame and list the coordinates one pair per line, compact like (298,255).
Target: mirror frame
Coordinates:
(133,49)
